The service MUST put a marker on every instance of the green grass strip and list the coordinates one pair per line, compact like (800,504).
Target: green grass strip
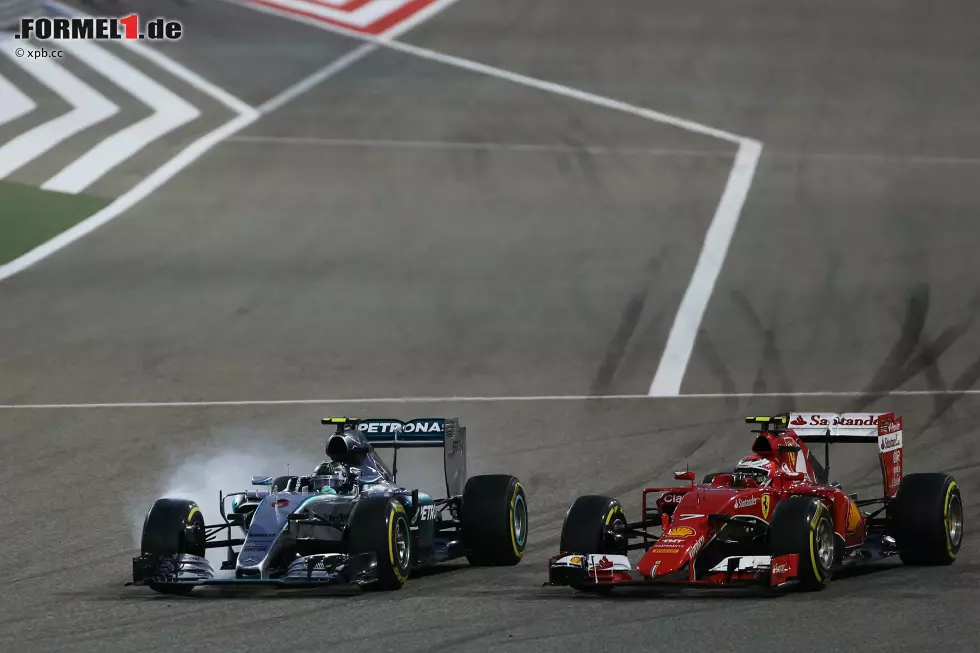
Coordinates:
(30,216)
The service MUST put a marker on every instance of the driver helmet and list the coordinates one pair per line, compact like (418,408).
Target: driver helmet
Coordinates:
(757,467)
(330,478)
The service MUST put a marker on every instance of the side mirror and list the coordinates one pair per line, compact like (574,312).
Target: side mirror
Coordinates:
(685,476)
(786,448)
(261,480)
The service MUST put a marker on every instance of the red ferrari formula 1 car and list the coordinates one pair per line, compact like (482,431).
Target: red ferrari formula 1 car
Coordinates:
(776,521)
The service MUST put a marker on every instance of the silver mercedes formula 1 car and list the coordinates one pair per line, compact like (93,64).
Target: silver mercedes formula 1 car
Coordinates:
(347,523)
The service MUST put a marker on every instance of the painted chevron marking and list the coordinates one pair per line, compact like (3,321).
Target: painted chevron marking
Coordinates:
(169,112)
(365,16)
(90,108)
(15,104)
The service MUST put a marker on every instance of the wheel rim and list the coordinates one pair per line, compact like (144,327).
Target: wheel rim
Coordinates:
(520,520)
(613,543)
(402,545)
(825,544)
(954,521)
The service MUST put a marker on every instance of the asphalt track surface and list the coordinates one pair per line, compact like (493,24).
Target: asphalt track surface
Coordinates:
(293,262)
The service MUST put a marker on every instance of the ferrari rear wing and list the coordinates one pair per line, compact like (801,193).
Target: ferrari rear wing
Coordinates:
(836,427)
(883,429)
(423,432)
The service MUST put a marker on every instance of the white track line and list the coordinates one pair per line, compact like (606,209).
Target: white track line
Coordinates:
(443,400)
(15,104)
(386,41)
(170,111)
(564,91)
(185,74)
(157,178)
(325,73)
(247,115)
(90,108)
(484,146)
(127,200)
(680,343)
(687,322)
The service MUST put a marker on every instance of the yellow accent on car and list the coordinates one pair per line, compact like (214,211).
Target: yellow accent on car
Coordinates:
(766,419)
(190,515)
(949,541)
(513,534)
(813,529)
(612,513)
(392,518)
(680,531)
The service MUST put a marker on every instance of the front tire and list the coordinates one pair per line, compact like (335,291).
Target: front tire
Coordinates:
(494,519)
(587,530)
(173,527)
(803,525)
(379,525)
(927,517)
(587,523)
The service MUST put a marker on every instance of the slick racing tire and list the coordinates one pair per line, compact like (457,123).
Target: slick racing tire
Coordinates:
(586,523)
(379,525)
(804,526)
(494,520)
(585,531)
(927,519)
(173,527)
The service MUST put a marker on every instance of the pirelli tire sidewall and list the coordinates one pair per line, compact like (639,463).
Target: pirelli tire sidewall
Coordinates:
(585,529)
(380,525)
(798,526)
(173,527)
(927,519)
(494,518)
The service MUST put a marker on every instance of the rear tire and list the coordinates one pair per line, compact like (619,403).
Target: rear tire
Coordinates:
(803,525)
(927,518)
(495,520)
(173,527)
(379,525)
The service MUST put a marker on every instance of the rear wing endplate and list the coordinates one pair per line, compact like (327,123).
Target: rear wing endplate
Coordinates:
(427,432)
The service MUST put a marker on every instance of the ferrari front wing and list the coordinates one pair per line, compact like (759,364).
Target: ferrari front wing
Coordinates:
(582,571)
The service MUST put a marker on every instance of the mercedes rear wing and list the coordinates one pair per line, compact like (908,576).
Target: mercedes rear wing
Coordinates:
(426,432)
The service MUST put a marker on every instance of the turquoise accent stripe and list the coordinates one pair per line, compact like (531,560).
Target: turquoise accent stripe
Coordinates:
(523,538)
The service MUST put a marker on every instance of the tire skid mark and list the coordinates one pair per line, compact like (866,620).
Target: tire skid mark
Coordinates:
(771,358)
(629,320)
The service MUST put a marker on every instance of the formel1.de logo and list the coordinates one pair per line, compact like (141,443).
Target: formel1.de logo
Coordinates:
(99,28)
